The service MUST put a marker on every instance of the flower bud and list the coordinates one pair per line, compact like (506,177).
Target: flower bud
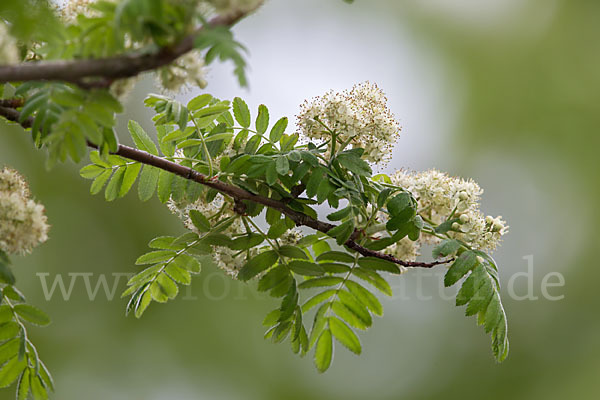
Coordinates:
(498,226)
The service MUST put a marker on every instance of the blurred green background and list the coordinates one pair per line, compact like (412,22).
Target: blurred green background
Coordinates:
(504,91)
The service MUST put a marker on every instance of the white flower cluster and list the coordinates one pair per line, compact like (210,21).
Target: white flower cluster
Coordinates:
(23,224)
(359,117)
(9,53)
(440,196)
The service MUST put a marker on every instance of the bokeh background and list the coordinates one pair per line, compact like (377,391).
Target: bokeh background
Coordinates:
(504,91)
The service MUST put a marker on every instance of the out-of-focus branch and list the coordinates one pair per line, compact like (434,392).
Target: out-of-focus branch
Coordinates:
(101,72)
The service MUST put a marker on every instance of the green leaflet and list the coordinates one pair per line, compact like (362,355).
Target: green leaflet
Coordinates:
(378,264)
(199,102)
(320,282)
(246,242)
(148,182)
(257,264)
(306,268)
(446,248)
(335,256)
(340,214)
(351,160)
(141,138)
(324,351)
(293,252)
(463,264)
(114,185)
(318,299)
(355,307)
(365,297)
(155,257)
(278,129)
(374,279)
(262,119)
(199,221)
(10,371)
(342,232)
(6,275)
(129,177)
(32,314)
(344,335)
(241,112)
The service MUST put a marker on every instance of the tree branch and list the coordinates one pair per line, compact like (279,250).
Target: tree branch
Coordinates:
(103,71)
(238,194)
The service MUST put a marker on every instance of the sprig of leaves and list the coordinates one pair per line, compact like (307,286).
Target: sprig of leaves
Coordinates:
(19,360)
(66,119)
(173,263)
(480,292)
(221,45)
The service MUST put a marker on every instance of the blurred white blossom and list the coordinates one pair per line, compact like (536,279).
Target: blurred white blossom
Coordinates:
(9,53)
(187,71)
(23,224)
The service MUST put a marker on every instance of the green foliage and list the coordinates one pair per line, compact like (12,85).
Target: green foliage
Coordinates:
(65,119)
(172,264)
(30,19)
(19,360)
(221,45)
(480,292)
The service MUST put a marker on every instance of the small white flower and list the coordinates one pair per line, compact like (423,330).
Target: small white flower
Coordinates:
(290,237)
